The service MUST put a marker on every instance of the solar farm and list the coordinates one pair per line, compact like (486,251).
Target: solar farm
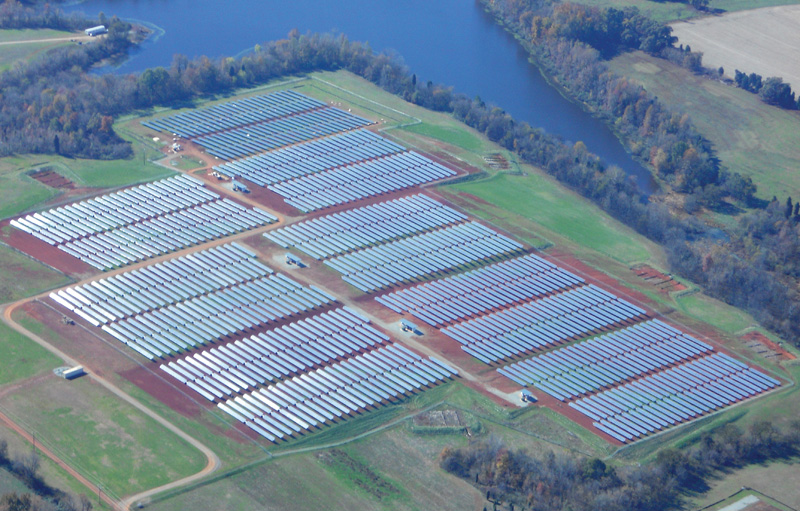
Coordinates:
(283,352)
(141,222)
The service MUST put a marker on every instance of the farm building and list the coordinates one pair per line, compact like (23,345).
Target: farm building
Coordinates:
(99,29)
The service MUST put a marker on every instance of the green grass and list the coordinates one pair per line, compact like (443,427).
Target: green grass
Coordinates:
(26,34)
(718,314)
(450,134)
(20,192)
(9,483)
(107,440)
(29,359)
(671,11)
(24,193)
(537,198)
(749,136)
(21,276)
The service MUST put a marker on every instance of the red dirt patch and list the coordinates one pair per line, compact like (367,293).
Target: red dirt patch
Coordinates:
(763,345)
(52,179)
(661,281)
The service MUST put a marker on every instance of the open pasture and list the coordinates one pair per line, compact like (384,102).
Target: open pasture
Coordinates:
(762,41)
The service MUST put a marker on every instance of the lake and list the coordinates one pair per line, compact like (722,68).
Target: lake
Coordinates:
(453,42)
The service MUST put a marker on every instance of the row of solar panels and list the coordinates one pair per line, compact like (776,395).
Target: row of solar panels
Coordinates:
(534,325)
(310,157)
(421,255)
(276,354)
(327,395)
(359,181)
(113,210)
(235,113)
(475,292)
(668,397)
(164,234)
(183,325)
(157,285)
(605,361)
(349,230)
(264,136)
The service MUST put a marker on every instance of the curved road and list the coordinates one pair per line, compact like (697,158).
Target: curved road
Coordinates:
(213,460)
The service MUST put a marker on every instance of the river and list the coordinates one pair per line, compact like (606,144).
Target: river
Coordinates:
(453,42)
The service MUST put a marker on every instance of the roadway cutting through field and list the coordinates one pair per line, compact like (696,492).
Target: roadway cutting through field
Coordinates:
(50,40)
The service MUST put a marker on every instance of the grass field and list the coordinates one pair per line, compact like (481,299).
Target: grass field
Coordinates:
(537,198)
(762,41)
(21,276)
(109,441)
(10,53)
(749,136)
(29,358)
(671,11)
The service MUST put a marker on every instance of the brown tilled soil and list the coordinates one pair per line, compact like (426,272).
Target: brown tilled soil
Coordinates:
(52,179)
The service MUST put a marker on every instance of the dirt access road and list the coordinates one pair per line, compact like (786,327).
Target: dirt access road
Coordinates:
(50,40)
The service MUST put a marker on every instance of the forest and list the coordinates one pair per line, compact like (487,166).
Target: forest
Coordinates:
(52,105)
(555,482)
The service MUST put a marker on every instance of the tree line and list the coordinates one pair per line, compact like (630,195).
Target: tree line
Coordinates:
(13,14)
(554,482)
(772,90)
(25,466)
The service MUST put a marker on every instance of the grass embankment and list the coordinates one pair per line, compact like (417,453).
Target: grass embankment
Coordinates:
(23,193)
(671,11)
(749,136)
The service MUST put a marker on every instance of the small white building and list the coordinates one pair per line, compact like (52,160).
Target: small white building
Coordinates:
(99,29)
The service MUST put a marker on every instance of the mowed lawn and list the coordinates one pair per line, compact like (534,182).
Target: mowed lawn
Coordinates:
(539,199)
(103,437)
(22,276)
(22,358)
(749,136)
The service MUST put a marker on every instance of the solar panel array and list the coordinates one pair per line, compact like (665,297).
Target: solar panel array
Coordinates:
(141,222)
(231,114)
(209,295)
(350,230)
(289,350)
(264,136)
(678,394)
(588,366)
(640,379)
(310,157)
(535,325)
(475,292)
(309,401)
(354,182)
(421,255)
